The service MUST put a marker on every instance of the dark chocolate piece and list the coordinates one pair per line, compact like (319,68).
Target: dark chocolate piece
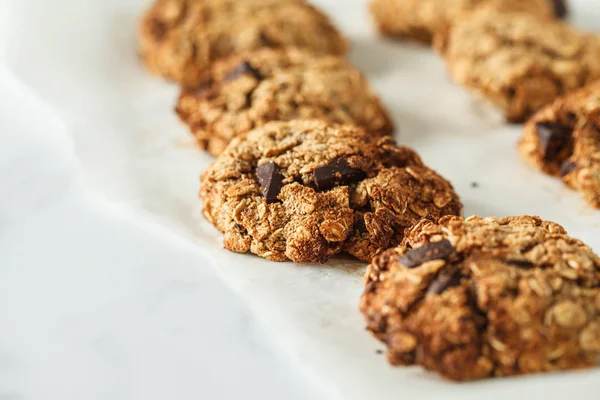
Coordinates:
(271,181)
(431,251)
(359,225)
(445,280)
(555,139)
(242,69)
(371,287)
(560,8)
(158,29)
(203,86)
(337,172)
(567,167)
(520,263)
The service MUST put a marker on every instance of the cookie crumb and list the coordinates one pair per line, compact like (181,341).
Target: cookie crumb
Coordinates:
(475,185)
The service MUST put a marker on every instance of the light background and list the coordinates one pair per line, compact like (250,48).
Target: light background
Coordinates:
(80,57)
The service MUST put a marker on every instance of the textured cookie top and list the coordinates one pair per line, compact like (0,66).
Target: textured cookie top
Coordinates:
(179,38)
(421,19)
(306,190)
(519,62)
(486,297)
(247,91)
(563,139)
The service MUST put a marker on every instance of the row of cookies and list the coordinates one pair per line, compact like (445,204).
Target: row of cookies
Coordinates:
(280,185)
(468,298)
(517,55)
(265,89)
(244,63)
(488,297)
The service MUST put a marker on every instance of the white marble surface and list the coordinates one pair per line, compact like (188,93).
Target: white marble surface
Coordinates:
(80,57)
(97,302)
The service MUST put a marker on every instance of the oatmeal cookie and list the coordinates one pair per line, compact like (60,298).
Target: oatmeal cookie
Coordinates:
(421,19)
(180,38)
(247,91)
(486,297)
(563,139)
(519,62)
(306,190)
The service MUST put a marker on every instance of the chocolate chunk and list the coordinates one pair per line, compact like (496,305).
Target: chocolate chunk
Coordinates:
(337,172)
(204,89)
(158,29)
(520,263)
(528,247)
(381,326)
(560,8)
(567,167)
(555,139)
(445,280)
(431,251)
(370,287)
(271,181)
(204,86)
(267,41)
(242,69)
(359,225)
(511,92)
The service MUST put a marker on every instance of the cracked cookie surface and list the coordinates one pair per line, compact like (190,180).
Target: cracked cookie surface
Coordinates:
(563,139)
(247,91)
(307,190)
(180,38)
(518,62)
(491,297)
(421,19)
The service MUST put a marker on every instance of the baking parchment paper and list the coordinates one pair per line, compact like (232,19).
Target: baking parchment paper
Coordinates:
(80,56)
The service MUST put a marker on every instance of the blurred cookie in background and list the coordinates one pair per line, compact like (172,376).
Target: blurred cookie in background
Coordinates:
(180,38)
(245,92)
(517,61)
(420,20)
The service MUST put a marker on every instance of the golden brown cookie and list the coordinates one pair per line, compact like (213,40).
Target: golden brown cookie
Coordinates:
(179,39)
(422,19)
(307,190)
(245,92)
(517,61)
(563,139)
(486,297)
